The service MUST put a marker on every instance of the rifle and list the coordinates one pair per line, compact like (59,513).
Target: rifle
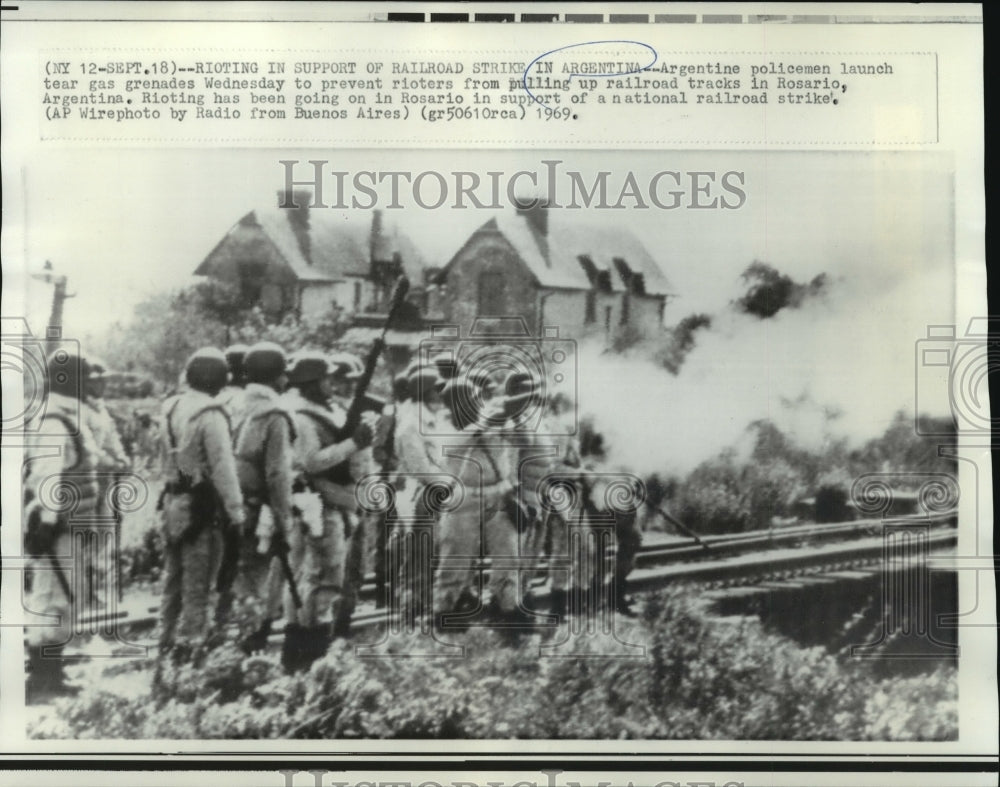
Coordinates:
(685,530)
(360,401)
(63,582)
(279,548)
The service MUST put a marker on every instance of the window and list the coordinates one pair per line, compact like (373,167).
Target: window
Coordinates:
(272,298)
(590,315)
(251,274)
(491,295)
(357,296)
(607,319)
(626,302)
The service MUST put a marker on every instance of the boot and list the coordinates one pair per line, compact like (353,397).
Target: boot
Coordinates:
(303,645)
(343,611)
(317,643)
(256,642)
(558,605)
(46,677)
(510,625)
(292,647)
(622,601)
(182,653)
(342,625)
(466,602)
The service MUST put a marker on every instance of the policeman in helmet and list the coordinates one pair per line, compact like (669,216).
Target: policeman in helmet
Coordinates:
(48,516)
(201,500)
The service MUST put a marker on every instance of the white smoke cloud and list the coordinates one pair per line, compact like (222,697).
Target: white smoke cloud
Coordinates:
(840,366)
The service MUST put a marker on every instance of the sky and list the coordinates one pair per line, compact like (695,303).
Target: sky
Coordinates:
(126,224)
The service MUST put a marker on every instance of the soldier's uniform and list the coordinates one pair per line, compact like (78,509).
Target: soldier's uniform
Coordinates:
(264,457)
(232,397)
(49,513)
(318,553)
(111,460)
(480,525)
(202,495)
(100,587)
(111,452)
(418,455)
(340,479)
(542,455)
(233,400)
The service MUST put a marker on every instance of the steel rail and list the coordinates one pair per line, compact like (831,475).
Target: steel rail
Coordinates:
(735,559)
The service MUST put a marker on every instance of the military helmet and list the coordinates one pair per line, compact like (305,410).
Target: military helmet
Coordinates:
(423,381)
(206,370)
(307,367)
(264,363)
(447,366)
(464,401)
(346,365)
(521,386)
(401,387)
(67,370)
(521,390)
(480,377)
(96,368)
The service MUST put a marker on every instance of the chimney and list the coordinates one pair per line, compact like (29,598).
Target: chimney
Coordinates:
(375,238)
(537,216)
(298,217)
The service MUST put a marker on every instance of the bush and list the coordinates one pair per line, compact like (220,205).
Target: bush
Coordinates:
(711,497)
(724,496)
(697,678)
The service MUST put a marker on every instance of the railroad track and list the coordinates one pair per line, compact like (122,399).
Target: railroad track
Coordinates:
(824,552)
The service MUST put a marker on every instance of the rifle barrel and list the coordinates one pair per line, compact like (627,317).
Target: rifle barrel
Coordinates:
(681,526)
(63,582)
(286,569)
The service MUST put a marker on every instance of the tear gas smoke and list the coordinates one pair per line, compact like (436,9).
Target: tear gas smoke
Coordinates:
(837,367)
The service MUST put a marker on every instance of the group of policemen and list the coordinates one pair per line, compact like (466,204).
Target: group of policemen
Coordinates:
(261,513)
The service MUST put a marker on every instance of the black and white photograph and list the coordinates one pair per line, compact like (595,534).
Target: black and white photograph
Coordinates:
(488,448)
(531,469)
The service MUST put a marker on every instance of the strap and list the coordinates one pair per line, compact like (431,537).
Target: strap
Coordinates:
(214,407)
(170,429)
(277,411)
(73,430)
(184,481)
(319,418)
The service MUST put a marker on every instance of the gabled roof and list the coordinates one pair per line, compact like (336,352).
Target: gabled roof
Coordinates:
(554,259)
(338,243)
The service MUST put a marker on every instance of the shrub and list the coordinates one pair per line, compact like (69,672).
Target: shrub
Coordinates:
(697,678)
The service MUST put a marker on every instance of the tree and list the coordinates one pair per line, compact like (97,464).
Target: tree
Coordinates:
(770,291)
(166,328)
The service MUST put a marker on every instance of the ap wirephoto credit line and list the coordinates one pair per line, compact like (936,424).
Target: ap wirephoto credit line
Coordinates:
(593,389)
